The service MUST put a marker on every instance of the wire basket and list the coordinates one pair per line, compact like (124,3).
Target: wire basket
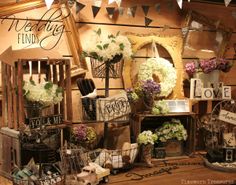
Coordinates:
(73,160)
(98,69)
(28,177)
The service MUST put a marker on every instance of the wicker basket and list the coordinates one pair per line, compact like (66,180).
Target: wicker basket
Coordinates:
(98,69)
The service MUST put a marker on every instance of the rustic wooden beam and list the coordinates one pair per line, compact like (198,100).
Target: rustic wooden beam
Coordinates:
(12,8)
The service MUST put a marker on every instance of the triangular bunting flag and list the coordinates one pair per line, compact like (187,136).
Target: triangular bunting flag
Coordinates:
(180,3)
(49,3)
(110,11)
(145,9)
(227,2)
(97,3)
(158,7)
(133,10)
(71,3)
(118,2)
(110,1)
(121,10)
(79,7)
(147,21)
(129,13)
(95,10)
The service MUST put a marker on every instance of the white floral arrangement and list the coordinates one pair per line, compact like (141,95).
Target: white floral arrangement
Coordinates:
(160,107)
(147,137)
(45,93)
(171,130)
(161,68)
(104,47)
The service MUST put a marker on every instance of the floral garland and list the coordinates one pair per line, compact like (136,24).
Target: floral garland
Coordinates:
(163,69)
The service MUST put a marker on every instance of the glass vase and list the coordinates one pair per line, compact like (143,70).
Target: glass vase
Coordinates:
(208,78)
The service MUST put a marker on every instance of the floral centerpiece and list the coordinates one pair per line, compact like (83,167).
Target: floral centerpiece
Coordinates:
(208,65)
(160,107)
(171,130)
(107,47)
(45,93)
(147,137)
(83,135)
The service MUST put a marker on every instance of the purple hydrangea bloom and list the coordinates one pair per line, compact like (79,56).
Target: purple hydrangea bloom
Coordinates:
(223,65)
(190,68)
(208,66)
(150,87)
(79,132)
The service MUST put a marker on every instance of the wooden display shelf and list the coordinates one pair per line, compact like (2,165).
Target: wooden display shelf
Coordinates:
(57,71)
(138,119)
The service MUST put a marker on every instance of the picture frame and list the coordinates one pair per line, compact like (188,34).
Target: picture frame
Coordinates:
(212,25)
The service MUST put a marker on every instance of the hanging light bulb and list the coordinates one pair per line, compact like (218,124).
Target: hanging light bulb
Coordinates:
(49,3)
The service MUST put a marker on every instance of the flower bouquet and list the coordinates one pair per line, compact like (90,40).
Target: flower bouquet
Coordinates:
(171,130)
(83,135)
(147,139)
(108,50)
(160,107)
(171,134)
(39,96)
(208,65)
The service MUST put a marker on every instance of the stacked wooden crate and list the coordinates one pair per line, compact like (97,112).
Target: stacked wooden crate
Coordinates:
(13,76)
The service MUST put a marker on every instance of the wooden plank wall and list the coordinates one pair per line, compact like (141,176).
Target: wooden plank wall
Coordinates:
(168,21)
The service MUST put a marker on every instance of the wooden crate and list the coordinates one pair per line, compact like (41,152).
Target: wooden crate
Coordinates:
(55,70)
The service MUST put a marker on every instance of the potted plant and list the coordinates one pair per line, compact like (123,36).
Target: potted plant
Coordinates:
(208,70)
(146,140)
(40,95)
(171,135)
(84,135)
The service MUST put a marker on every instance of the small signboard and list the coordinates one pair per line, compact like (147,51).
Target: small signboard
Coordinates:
(45,120)
(178,105)
(112,107)
(227,116)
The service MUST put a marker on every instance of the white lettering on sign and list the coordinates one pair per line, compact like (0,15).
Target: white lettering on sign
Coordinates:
(227,116)
(47,120)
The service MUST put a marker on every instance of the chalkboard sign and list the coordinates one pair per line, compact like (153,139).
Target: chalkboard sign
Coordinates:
(45,120)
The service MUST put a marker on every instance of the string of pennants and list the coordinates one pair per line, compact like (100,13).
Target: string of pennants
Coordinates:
(131,11)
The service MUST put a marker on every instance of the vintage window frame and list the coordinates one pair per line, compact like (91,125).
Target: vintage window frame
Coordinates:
(212,24)
(172,44)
